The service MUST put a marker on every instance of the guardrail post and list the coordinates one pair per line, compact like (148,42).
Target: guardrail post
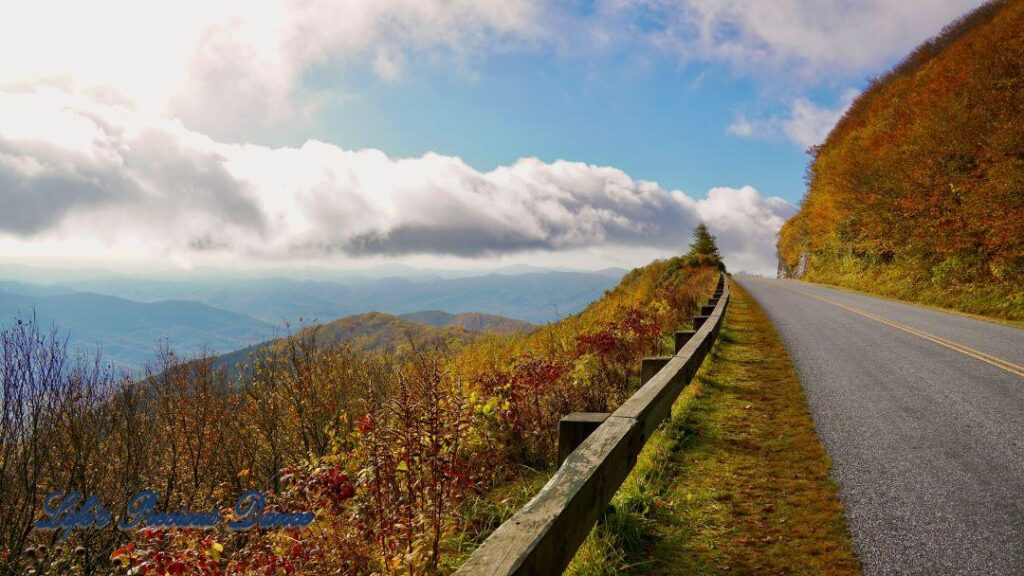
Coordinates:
(574,428)
(699,321)
(707,310)
(650,366)
(682,337)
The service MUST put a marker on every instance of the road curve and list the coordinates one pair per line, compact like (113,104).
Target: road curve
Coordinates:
(922,414)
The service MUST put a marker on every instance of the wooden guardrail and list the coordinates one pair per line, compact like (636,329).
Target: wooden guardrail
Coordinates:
(543,536)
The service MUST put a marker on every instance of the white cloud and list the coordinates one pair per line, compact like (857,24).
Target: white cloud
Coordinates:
(809,124)
(74,172)
(234,68)
(805,123)
(742,127)
(389,64)
(809,38)
(241,71)
(746,224)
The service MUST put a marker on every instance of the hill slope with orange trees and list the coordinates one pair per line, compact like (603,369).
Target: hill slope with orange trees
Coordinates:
(367,332)
(471,321)
(918,192)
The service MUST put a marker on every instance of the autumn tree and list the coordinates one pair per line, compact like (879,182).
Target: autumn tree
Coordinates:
(704,249)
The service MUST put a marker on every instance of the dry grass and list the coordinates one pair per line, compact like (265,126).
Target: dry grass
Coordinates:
(909,299)
(737,482)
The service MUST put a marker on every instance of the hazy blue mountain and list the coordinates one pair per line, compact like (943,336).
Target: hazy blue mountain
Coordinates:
(26,289)
(81,279)
(535,297)
(131,316)
(130,333)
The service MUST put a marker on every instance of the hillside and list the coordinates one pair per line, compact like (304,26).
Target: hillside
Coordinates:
(471,321)
(375,331)
(130,333)
(918,192)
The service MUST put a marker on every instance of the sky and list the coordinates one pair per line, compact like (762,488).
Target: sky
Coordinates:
(139,135)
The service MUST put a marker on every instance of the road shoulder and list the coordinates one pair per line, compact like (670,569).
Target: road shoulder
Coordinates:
(922,305)
(737,482)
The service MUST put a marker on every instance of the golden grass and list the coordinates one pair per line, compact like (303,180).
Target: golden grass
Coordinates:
(831,283)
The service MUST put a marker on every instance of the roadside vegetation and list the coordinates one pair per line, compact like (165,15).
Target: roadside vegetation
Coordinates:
(408,457)
(736,482)
(917,192)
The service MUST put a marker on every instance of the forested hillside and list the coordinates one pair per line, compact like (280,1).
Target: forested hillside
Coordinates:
(471,321)
(377,332)
(918,192)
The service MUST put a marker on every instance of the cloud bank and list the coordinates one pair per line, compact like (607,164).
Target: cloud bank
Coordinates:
(120,139)
(75,171)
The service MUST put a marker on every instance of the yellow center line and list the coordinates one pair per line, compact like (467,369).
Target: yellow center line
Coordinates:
(1006,365)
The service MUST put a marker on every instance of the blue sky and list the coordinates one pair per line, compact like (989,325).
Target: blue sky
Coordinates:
(664,122)
(448,133)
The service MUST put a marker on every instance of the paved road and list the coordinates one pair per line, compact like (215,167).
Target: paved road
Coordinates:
(926,441)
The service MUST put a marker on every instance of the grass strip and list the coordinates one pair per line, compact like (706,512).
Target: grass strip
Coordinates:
(736,482)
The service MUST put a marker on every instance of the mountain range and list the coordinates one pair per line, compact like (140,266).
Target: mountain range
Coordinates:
(535,297)
(129,318)
(130,333)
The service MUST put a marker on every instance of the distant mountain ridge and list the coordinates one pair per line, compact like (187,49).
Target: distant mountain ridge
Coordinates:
(75,277)
(535,297)
(130,333)
(130,318)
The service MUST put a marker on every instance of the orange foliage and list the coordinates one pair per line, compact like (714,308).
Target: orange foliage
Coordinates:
(924,175)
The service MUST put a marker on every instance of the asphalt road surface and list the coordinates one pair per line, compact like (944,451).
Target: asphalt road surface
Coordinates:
(922,413)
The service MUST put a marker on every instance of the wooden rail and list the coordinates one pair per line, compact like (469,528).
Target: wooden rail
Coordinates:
(543,536)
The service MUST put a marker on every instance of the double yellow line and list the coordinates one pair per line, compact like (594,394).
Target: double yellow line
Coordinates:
(1006,365)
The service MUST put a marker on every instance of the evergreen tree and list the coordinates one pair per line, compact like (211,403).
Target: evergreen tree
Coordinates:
(704,249)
